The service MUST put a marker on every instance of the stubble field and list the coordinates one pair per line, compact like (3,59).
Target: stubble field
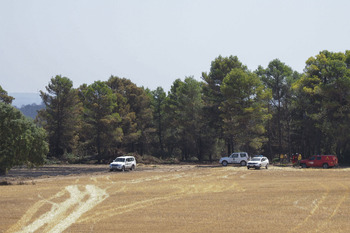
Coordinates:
(176,198)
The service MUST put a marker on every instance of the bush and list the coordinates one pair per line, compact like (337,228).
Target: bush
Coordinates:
(72,158)
(275,160)
(146,159)
(22,142)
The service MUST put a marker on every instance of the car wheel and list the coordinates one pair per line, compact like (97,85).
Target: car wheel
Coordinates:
(248,168)
(132,168)
(224,163)
(123,169)
(325,165)
(267,166)
(243,163)
(303,165)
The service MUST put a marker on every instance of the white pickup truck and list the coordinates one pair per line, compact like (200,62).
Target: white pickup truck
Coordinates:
(235,158)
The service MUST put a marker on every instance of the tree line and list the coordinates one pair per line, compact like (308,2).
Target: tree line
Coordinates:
(270,111)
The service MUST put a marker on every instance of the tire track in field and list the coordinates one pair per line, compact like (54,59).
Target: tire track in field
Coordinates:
(68,205)
(190,190)
(62,214)
(32,211)
(183,190)
(336,208)
(65,213)
(329,211)
(316,205)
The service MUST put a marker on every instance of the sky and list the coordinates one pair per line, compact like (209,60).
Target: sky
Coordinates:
(155,42)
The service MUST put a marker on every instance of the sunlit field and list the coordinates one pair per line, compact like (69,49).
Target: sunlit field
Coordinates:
(179,198)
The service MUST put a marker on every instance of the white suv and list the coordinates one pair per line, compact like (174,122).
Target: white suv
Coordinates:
(122,163)
(258,162)
(237,158)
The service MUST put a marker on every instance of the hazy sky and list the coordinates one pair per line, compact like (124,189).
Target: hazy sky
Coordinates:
(154,42)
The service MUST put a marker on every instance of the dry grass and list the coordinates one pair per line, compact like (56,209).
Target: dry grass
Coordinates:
(181,198)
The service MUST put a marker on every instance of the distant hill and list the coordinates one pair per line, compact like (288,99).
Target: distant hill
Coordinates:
(31,110)
(28,103)
(22,99)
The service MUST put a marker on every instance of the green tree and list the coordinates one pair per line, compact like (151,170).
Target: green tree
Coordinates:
(172,131)
(60,115)
(158,103)
(21,141)
(100,131)
(278,77)
(324,98)
(184,109)
(213,98)
(135,112)
(4,97)
(244,111)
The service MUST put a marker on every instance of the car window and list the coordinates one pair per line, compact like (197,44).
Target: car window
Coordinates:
(312,158)
(243,155)
(235,156)
(318,158)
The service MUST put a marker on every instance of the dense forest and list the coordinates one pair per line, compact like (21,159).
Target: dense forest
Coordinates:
(270,111)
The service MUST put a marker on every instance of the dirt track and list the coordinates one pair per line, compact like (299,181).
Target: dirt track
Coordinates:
(179,198)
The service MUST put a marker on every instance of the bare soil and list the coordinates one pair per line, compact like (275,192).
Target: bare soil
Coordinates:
(175,198)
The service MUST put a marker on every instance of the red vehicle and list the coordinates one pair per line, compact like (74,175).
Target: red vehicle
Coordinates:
(324,161)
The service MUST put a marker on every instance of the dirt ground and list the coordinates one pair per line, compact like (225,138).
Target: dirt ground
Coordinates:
(175,198)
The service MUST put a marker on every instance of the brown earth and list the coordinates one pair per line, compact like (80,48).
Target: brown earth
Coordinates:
(175,198)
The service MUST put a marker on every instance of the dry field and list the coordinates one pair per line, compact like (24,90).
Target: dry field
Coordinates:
(177,198)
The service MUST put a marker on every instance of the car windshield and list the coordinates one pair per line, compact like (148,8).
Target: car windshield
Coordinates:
(119,160)
(256,159)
